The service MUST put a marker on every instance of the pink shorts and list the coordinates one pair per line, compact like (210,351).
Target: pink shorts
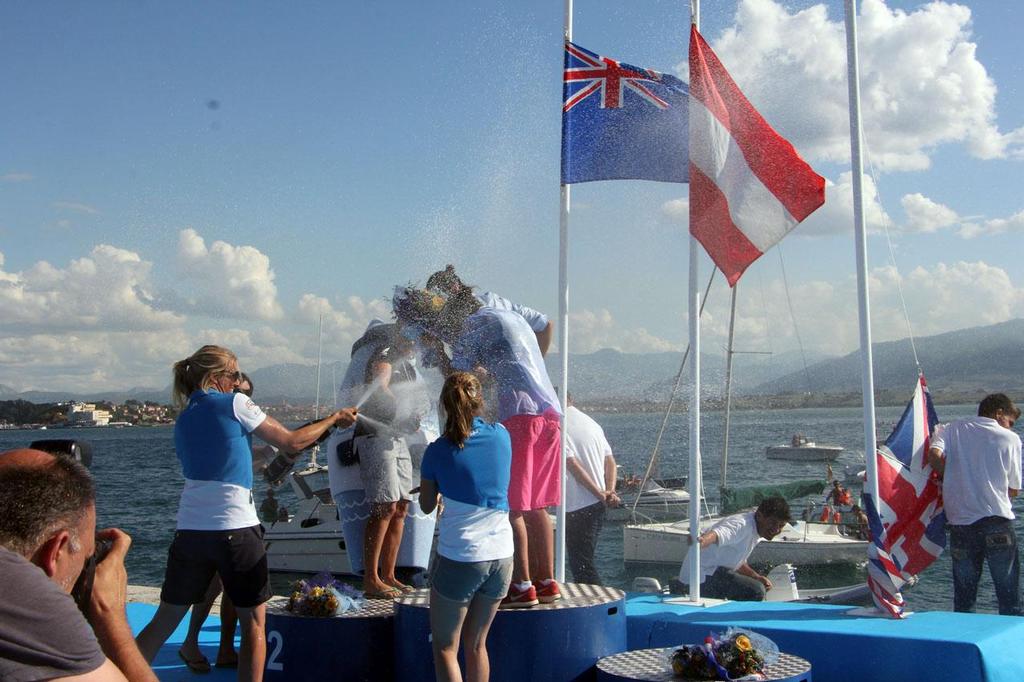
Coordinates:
(536,443)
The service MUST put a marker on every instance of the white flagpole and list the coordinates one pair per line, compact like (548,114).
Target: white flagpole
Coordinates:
(861,246)
(694,435)
(563,342)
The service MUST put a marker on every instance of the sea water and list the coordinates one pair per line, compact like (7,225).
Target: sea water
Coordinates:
(139,481)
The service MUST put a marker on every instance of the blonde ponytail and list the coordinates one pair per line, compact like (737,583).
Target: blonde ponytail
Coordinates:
(462,398)
(197,371)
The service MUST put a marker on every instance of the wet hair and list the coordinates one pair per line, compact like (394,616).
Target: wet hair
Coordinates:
(458,307)
(462,398)
(40,500)
(994,402)
(447,281)
(776,508)
(196,371)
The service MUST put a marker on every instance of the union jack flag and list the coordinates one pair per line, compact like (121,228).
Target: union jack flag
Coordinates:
(621,121)
(908,525)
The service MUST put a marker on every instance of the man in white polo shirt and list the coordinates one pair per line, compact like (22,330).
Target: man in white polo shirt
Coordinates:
(725,547)
(589,490)
(979,460)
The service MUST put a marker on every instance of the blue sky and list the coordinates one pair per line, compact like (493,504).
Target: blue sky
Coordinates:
(172,175)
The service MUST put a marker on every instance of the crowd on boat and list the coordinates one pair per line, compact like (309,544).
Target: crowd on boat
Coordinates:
(493,467)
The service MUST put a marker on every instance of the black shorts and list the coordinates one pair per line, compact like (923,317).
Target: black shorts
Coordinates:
(238,556)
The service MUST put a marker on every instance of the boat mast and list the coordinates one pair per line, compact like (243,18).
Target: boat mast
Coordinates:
(728,385)
(319,360)
(860,245)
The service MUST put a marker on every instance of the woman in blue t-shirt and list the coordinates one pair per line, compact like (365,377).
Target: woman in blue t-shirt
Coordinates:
(469,466)
(218,531)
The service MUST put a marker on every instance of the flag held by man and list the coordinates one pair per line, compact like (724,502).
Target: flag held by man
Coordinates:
(907,523)
(748,185)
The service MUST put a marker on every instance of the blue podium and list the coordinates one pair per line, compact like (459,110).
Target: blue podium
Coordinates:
(354,646)
(558,642)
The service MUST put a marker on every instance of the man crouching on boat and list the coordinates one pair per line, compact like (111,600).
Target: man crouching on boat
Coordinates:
(725,548)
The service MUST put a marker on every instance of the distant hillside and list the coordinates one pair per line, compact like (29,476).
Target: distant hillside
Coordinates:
(972,361)
(649,377)
(968,362)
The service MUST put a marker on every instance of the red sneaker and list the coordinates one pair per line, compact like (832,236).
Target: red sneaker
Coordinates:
(519,599)
(547,592)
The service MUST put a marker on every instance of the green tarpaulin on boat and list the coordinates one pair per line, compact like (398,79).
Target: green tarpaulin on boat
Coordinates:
(735,499)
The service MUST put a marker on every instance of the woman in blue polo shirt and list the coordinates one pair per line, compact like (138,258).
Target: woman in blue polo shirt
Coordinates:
(218,531)
(469,466)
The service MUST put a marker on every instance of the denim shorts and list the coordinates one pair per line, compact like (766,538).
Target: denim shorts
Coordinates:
(460,581)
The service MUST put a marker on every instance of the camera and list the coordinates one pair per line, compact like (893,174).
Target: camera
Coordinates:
(82,591)
(78,450)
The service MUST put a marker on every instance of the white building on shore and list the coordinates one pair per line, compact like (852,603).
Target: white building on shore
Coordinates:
(86,414)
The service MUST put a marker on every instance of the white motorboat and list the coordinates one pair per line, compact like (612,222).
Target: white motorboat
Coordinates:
(801,449)
(311,540)
(799,543)
(785,589)
(655,502)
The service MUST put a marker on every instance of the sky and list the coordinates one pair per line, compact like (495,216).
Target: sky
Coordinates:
(188,173)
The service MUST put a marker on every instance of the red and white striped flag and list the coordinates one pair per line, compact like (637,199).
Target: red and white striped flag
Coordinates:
(748,185)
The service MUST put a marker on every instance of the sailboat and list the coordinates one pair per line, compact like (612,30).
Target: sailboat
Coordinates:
(801,542)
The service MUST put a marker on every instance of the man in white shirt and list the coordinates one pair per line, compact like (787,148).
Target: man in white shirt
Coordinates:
(589,490)
(725,547)
(979,460)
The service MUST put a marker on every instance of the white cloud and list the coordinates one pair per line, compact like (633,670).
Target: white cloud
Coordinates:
(76,207)
(836,215)
(677,211)
(942,298)
(16,177)
(226,280)
(109,290)
(925,215)
(1015,223)
(342,324)
(591,330)
(90,361)
(922,84)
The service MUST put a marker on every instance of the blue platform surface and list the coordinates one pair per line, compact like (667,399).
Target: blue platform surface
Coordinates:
(167,665)
(932,645)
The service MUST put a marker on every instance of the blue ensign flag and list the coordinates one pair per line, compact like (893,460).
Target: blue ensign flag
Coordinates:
(622,122)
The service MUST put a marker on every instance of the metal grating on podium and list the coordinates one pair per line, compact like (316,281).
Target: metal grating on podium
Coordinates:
(573,596)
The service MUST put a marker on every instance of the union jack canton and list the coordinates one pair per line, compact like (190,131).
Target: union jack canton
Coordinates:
(908,526)
(621,121)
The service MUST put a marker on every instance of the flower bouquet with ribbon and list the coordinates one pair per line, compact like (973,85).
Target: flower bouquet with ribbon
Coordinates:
(736,654)
(322,596)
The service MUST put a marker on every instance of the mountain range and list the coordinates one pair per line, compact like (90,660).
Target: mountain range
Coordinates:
(968,361)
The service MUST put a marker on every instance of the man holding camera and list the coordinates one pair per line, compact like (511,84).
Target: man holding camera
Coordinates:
(48,541)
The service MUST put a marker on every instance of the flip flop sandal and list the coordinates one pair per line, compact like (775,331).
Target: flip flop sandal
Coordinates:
(200,665)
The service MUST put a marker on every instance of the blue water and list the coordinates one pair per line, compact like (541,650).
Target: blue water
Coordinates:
(139,481)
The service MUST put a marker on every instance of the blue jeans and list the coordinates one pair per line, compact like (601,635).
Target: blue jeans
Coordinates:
(990,538)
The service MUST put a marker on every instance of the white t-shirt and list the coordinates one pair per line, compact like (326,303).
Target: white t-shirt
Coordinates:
(538,321)
(983,460)
(585,442)
(471,533)
(737,536)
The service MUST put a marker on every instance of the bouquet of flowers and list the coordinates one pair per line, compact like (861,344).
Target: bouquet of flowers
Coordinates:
(322,596)
(735,655)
